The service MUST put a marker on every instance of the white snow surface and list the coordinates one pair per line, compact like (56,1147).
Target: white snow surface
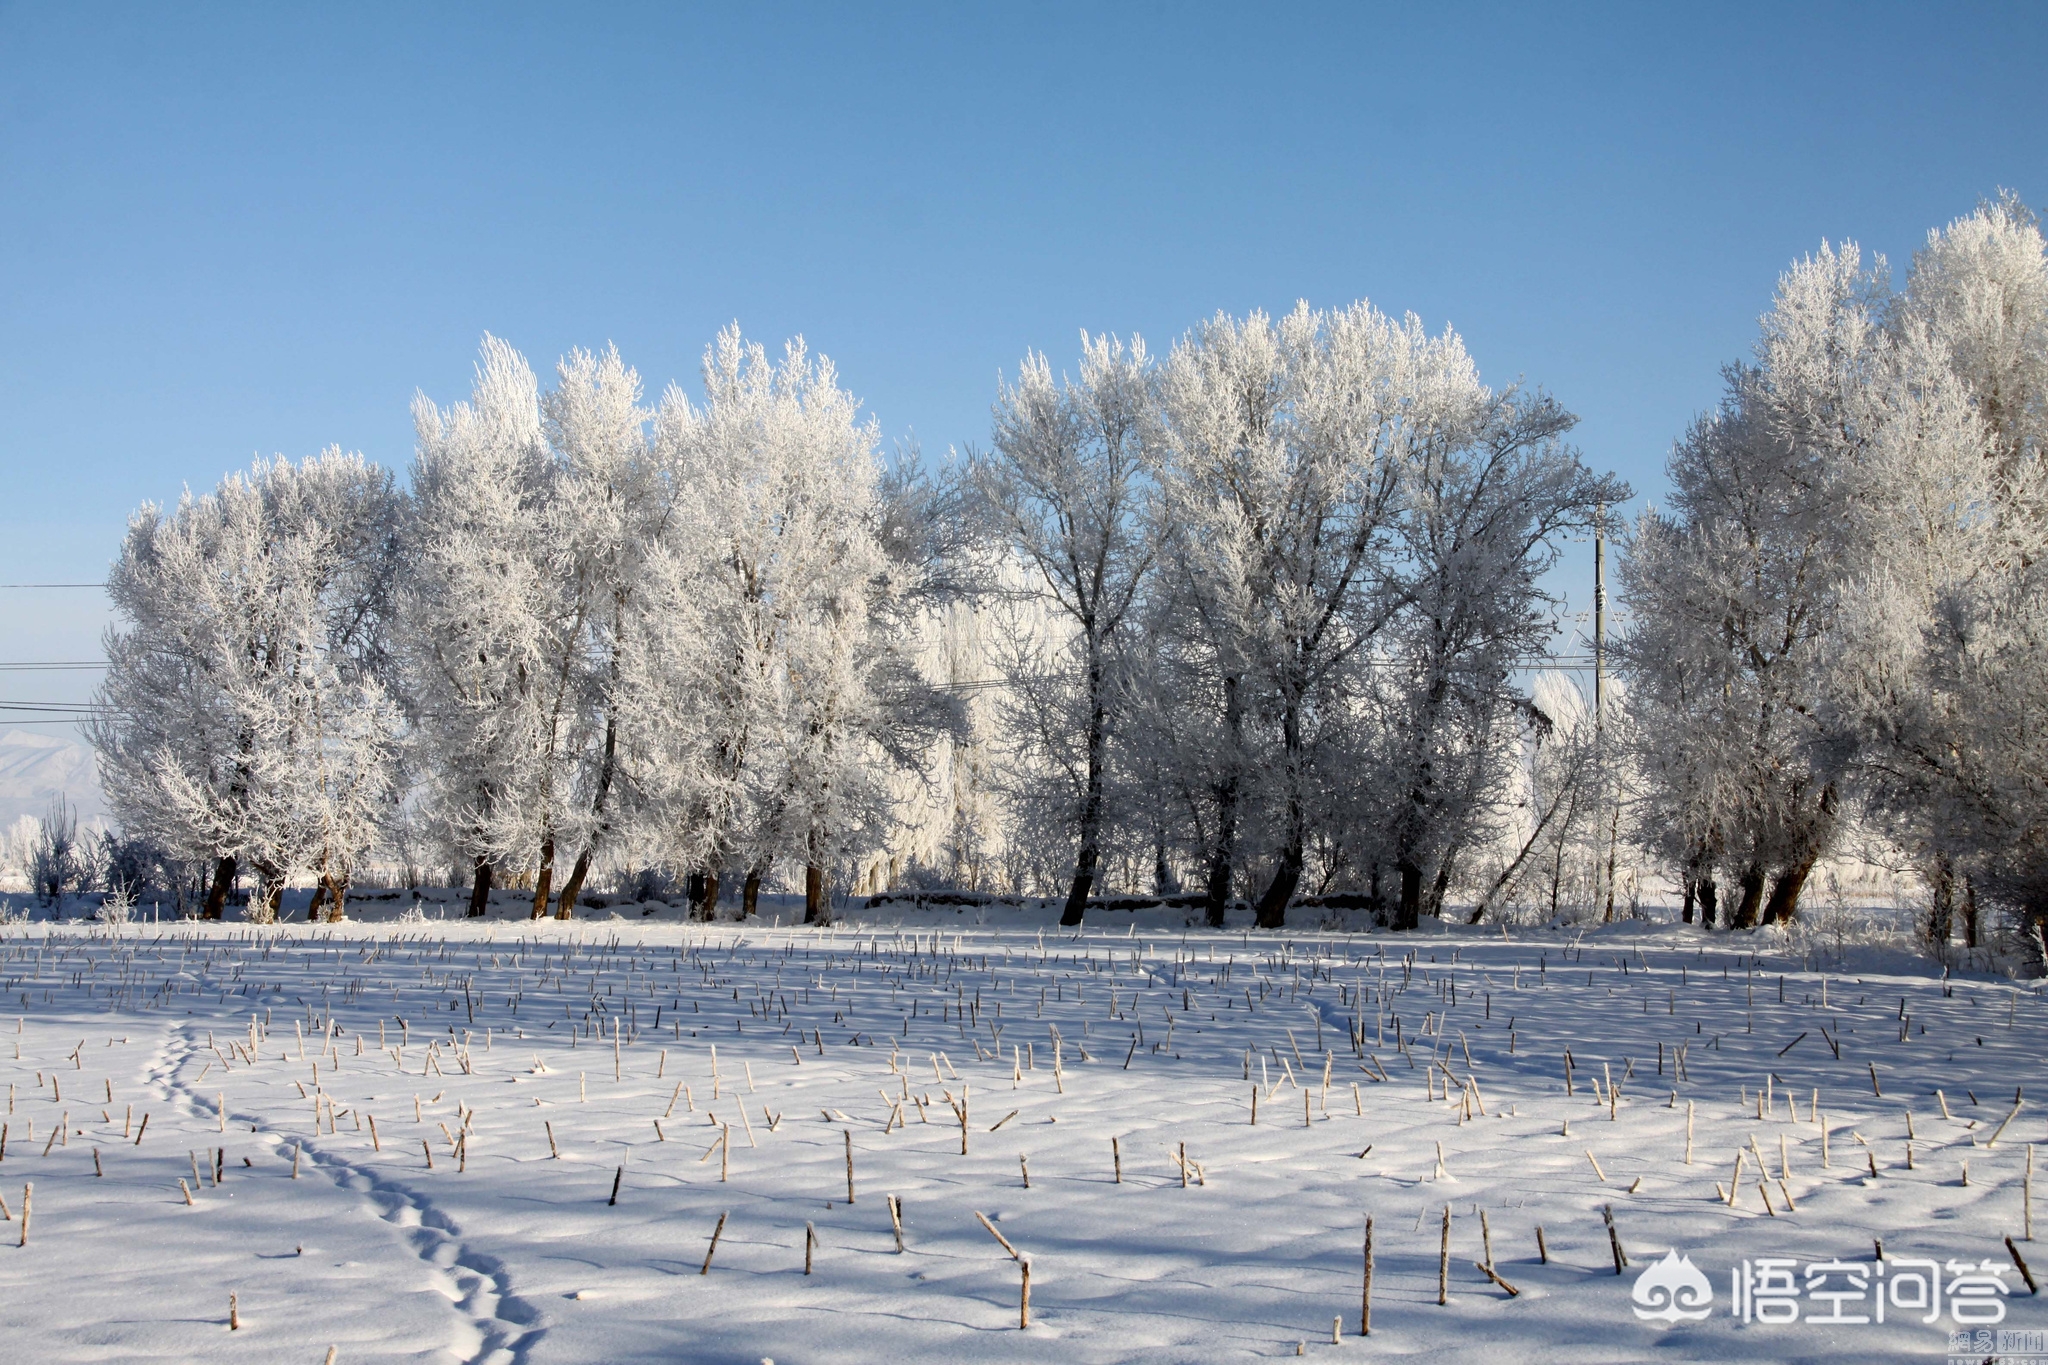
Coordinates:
(502,1251)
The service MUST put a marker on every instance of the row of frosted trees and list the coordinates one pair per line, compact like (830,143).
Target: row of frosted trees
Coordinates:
(585,626)
(1266,602)
(1839,619)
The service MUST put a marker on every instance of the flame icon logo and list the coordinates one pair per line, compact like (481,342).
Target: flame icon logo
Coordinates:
(1671,1290)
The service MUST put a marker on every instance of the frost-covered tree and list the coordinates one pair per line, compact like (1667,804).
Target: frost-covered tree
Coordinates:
(242,719)
(477,599)
(607,504)
(533,513)
(1941,685)
(1284,457)
(1483,508)
(1193,755)
(55,859)
(1735,590)
(1839,604)
(1732,603)
(752,680)
(1063,485)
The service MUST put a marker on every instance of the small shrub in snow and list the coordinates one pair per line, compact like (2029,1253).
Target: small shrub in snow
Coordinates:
(116,908)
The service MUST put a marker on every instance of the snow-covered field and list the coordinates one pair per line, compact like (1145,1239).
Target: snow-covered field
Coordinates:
(424,1125)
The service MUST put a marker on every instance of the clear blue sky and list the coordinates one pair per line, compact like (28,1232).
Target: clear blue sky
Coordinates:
(232,231)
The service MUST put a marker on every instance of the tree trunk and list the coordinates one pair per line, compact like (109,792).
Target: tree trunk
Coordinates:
(750,892)
(693,891)
(565,907)
(1752,897)
(1216,894)
(544,879)
(814,894)
(480,888)
(1090,852)
(1271,911)
(1613,839)
(1710,898)
(1441,885)
(1691,894)
(711,895)
(1784,901)
(1077,890)
(337,899)
(313,905)
(1941,914)
(1970,938)
(565,904)
(1216,899)
(217,893)
(1409,913)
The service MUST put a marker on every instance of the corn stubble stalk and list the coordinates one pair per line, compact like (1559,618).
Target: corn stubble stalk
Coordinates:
(1443,1263)
(1365,1293)
(713,1248)
(998,1236)
(2026,1272)
(1494,1275)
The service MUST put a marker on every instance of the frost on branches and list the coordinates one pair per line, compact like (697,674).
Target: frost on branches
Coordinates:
(1840,612)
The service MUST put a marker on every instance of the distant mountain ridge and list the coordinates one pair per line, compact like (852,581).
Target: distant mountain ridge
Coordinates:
(37,769)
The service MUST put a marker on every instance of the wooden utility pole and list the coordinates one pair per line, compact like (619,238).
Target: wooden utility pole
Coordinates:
(1599,615)
(1600,694)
